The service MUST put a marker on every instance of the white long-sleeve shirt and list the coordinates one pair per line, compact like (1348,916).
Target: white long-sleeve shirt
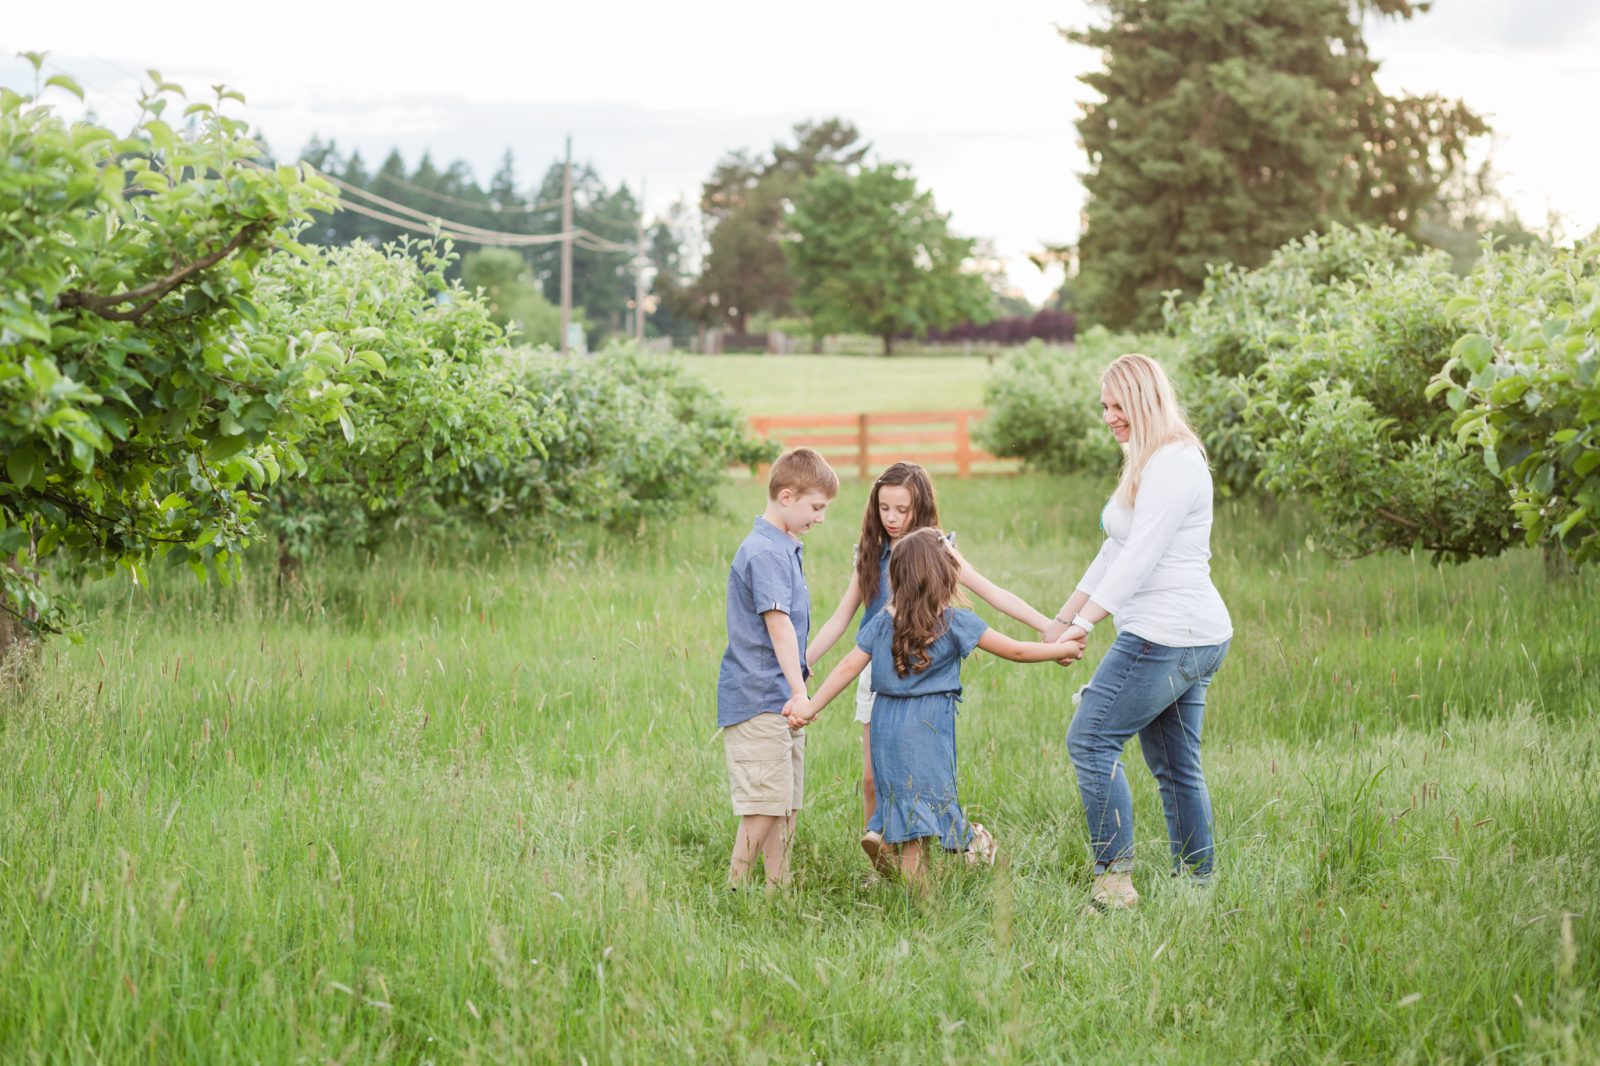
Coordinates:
(1153,573)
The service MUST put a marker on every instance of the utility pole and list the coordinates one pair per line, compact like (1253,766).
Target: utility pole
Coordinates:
(640,260)
(566,250)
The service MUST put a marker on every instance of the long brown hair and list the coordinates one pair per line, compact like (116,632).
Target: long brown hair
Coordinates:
(924,512)
(924,573)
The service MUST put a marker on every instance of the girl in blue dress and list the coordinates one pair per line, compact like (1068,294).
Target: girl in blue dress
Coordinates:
(902,500)
(915,647)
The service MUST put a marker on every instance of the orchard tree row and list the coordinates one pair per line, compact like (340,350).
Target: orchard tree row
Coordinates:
(181,372)
(1410,406)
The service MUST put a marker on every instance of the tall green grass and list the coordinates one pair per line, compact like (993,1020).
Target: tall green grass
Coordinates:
(467,804)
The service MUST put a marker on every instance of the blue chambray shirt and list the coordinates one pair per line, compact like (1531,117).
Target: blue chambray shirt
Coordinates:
(766,575)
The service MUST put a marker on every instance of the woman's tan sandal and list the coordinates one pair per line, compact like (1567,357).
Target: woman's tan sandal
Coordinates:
(1113,892)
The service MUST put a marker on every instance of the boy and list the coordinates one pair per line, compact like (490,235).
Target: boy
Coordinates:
(769,620)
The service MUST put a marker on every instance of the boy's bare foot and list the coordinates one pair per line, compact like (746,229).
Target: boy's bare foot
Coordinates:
(872,843)
(1113,892)
(982,849)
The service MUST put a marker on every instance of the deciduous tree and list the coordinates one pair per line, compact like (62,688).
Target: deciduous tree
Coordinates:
(142,412)
(874,255)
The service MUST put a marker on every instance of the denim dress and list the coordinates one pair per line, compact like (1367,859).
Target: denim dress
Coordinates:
(880,600)
(914,732)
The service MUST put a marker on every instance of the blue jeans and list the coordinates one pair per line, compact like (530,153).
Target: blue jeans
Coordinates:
(1159,693)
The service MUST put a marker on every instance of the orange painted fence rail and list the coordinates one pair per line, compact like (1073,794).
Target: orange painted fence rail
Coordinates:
(871,441)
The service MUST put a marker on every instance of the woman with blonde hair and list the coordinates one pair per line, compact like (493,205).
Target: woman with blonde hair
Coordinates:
(1153,576)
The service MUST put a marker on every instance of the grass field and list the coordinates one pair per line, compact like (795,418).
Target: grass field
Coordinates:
(471,808)
(815,384)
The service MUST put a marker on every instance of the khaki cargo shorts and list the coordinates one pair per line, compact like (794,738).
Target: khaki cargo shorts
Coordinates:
(766,765)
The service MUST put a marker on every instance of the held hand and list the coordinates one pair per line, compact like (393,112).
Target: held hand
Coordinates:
(798,712)
(1075,637)
(1053,631)
(1073,650)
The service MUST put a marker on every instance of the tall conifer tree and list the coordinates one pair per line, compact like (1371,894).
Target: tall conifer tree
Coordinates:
(1227,127)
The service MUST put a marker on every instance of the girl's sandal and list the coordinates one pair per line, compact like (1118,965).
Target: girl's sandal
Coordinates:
(982,849)
(882,861)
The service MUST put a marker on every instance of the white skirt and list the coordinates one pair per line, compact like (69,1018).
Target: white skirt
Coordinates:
(865,696)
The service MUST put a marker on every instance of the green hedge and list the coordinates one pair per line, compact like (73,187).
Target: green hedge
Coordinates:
(1044,401)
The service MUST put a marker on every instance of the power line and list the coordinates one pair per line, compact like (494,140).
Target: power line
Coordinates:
(544,205)
(430,225)
(505,240)
(497,236)
(596,243)
(422,222)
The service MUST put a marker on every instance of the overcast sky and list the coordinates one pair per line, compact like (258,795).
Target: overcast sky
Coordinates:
(978,100)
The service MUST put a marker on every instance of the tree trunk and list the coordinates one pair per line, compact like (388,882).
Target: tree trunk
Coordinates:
(1557,563)
(288,568)
(15,643)
(888,344)
(12,635)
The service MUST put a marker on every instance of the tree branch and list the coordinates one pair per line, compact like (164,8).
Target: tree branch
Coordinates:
(1399,520)
(152,293)
(105,522)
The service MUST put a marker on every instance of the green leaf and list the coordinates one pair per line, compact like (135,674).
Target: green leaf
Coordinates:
(161,134)
(1474,351)
(1508,390)
(256,472)
(224,447)
(113,421)
(65,82)
(1492,460)
(346,428)
(22,466)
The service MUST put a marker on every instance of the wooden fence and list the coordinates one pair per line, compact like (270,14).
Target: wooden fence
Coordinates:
(869,442)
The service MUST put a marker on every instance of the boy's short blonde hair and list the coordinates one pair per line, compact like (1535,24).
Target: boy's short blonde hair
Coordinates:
(803,471)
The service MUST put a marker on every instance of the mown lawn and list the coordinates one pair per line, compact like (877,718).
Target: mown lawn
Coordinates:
(816,384)
(469,805)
